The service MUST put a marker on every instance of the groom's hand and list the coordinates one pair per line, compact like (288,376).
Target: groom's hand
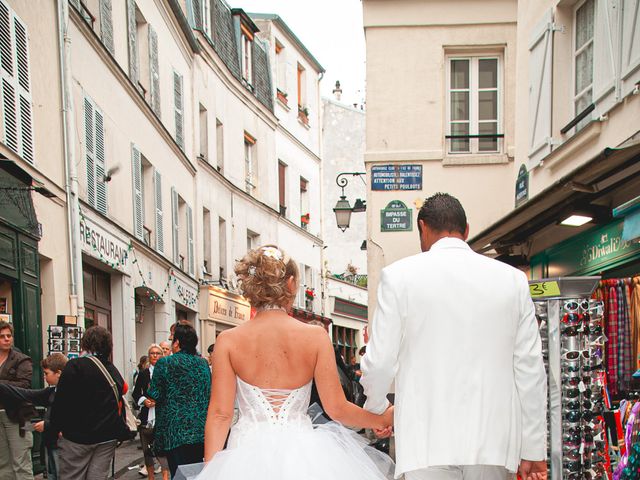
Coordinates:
(533,470)
(387,418)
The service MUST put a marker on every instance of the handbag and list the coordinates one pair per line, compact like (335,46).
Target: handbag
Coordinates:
(130,423)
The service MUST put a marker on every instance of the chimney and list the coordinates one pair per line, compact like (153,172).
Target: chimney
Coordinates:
(337,92)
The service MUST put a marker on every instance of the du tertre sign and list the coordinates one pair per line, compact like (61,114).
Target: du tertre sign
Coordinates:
(396,217)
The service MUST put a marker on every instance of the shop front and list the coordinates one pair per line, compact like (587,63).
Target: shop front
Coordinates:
(347,330)
(220,310)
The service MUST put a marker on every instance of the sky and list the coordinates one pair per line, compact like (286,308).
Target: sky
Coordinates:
(332,31)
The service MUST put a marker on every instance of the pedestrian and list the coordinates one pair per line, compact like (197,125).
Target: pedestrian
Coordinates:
(180,388)
(457,332)
(147,416)
(85,410)
(210,354)
(15,442)
(143,364)
(166,348)
(52,367)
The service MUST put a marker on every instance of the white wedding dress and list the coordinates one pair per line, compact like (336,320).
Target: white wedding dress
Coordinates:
(274,439)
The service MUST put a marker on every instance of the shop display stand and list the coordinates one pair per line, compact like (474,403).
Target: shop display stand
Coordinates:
(550,296)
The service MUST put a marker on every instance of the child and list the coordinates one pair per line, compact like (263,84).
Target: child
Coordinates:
(52,367)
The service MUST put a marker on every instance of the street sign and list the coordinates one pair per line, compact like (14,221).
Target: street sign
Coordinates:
(396,218)
(522,186)
(396,177)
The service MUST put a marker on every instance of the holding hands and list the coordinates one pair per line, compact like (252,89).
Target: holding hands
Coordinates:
(533,470)
(387,424)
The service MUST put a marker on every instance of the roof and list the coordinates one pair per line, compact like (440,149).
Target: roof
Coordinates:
(184,25)
(277,19)
(246,18)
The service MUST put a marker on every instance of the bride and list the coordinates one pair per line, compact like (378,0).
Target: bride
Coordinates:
(268,365)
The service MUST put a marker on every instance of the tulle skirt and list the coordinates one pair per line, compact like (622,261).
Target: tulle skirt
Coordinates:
(326,452)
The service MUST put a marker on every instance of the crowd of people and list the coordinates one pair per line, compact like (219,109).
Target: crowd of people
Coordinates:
(84,419)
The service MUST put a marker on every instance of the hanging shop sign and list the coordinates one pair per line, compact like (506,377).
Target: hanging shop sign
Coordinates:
(227,307)
(396,218)
(396,177)
(522,186)
(590,252)
(183,293)
(99,243)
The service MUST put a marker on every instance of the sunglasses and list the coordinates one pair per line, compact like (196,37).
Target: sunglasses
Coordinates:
(593,329)
(572,355)
(572,318)
(593,368)
(598,341)
(577,405)
(571,331)
(575,305)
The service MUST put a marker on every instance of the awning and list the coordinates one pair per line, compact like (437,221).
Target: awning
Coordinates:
(607,180)
(16,205)
(306,316)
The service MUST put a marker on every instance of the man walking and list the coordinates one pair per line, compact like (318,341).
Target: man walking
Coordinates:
(457,332)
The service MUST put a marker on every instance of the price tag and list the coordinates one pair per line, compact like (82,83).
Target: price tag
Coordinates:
(544,289)
(582,387)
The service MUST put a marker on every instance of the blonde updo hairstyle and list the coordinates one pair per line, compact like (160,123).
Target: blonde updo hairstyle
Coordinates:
(263,274)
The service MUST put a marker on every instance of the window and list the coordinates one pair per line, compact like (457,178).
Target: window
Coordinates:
(219,146)
(204,134)
(253,240)
(249,163)
(183,252)
(222,248)
(304,203)
(302,93)
(206,243)
(246,60)
(583,58)
(142,46)
(17,113)
(282,188)
(97,13)
(147,201)
(346,341)
(95,156)
(474,105)
(281,72)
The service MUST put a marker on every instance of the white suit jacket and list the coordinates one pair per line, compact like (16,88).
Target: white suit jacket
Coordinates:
(458,334)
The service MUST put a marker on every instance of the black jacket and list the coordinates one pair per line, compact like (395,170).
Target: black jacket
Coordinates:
(140,390)
(85,409)
(13,397)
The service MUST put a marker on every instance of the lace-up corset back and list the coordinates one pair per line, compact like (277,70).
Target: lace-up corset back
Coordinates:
(275,407)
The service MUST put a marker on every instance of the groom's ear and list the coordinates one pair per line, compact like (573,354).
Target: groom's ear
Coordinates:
(466,233)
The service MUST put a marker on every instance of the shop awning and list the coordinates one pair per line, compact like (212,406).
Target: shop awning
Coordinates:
(16,205)
(609,179)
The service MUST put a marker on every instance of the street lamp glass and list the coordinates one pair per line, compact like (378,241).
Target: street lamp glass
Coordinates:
(343,213)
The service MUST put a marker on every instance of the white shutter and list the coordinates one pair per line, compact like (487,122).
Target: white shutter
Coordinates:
(157,183)
(314,285)
(138,211)
(174,226)
(190,252)
(302,282)
(154,70)
(89,148)
(106,25)
(101,185)
(178,108)
(605,55)
(23,89)
(540,85)
(196,7)
(133,41)
(10,117)
(630,64)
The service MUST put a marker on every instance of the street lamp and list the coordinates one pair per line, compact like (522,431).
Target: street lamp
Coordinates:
(343,209)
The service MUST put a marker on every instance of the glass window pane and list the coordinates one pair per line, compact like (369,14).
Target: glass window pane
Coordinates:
(584,23)
(459,73)
(584,69)
(488,105)
(488,144)
(459,144)
(459,105)
(581,103)
(488,73)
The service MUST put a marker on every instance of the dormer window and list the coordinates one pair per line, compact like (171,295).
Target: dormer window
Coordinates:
(246,58)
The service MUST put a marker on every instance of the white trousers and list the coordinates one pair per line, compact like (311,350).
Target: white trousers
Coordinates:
(463,472)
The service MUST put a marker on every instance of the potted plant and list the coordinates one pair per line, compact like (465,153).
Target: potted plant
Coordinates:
(304,219)
(303,114)
(282,96)
(309,293)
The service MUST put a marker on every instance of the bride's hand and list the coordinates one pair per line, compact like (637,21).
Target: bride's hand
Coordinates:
(387,422)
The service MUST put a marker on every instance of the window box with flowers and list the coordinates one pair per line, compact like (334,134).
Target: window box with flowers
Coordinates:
(282,97)
(303,115)
(309,295)
(304,220)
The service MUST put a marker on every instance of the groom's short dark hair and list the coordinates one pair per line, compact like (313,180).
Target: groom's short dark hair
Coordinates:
(443,213)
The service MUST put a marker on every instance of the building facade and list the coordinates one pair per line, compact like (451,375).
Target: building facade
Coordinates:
(169,145)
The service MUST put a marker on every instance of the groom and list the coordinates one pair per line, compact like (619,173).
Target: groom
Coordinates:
(458,334)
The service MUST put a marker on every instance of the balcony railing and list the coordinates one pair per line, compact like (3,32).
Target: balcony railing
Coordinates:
(358,280)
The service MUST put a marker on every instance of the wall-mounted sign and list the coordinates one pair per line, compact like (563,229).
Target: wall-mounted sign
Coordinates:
(98,243)
(227,307)
(396,218)
(396,177)
(183,293)
(522,186)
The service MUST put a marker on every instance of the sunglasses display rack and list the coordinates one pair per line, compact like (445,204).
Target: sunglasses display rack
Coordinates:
(572,341)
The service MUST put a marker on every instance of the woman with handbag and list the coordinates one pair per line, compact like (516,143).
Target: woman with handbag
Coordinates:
(87,410)
(147,415)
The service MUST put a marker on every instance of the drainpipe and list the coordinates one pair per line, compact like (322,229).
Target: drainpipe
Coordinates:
(76,288)
(323,270)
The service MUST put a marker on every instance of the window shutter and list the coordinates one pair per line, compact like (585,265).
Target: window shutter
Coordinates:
(196,7)
(24,91)
(133,47)
(630,46)
(174,226)
(302,278)
(154,70)
(605,55)
(157,183)
(190,252)
(138,213)
(9,115)
(101,185)
(106,25)
(89,131)
(314,285)
(6,42)
(178,106)
(540,85)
